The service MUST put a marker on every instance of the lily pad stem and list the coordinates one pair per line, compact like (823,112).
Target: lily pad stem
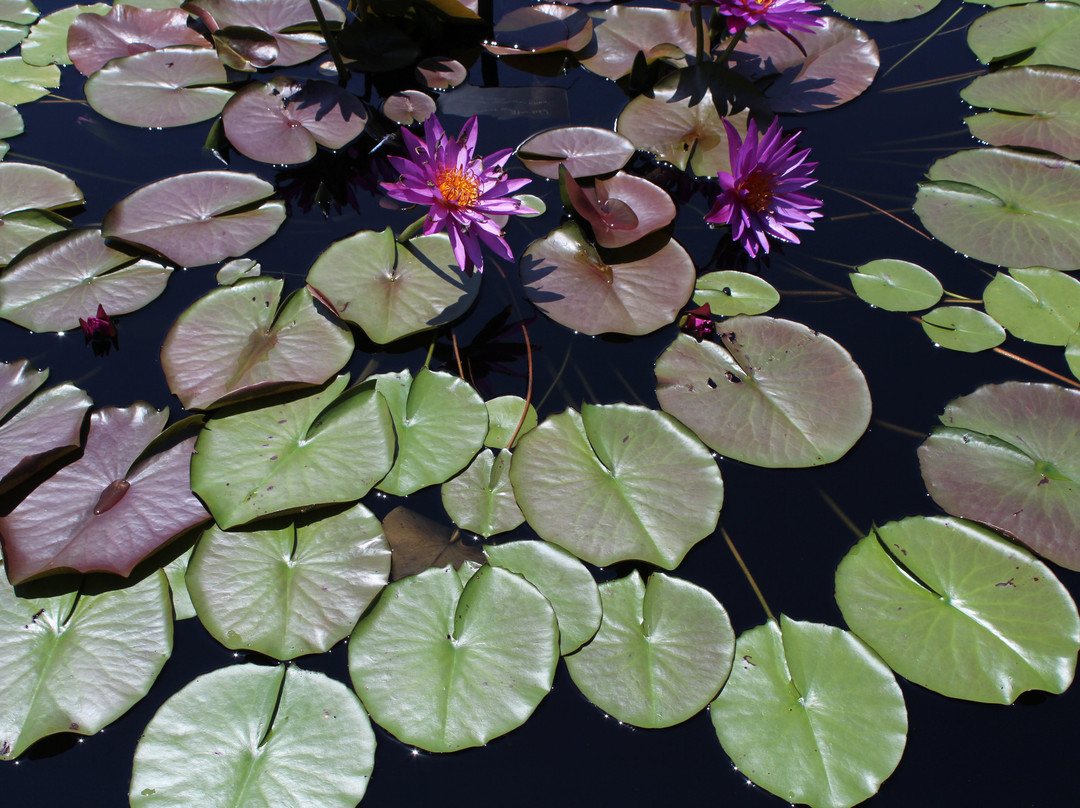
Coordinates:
(411,230)
(746,572)
(331,44)
(699,21)
(734,40)
(843,517)
(528,386)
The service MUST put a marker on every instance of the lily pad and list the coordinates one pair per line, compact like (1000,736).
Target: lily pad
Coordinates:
(176,571)
(583,150)
(328,446)
(236,270)
(1009,457)
(444,666)
(563,580)
(609,484)
(541,28)
(440,421)
(833,701)
(76,662)
(289,591)
(1034,107)
(105,512)
(568,279)
(199,218)
(21,83)
(895,285)
(621,209)
(882,10)
(284,120)
(955,608)
(236,342)
(409,107)
(418,543)
(729,293)
(961,328)
(1037,305)
(662,653)
(50,288)
(26,187)
(769,392)
(1005,207)
(255,735)
(160,88)
(504,416)
(47,42)
(26,227)
(481,498)
(624,31)
(1042,33)
(440,73)
(393,290)
(93,39)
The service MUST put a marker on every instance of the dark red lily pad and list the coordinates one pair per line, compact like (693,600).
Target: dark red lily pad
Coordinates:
(624,31)
(418,543)
(101,514)
(621,209)
(242,47)
(584,150)
(541,28)
(94,40)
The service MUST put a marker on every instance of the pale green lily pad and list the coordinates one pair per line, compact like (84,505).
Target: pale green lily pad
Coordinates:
(1072,354)
(729,293)
(176,572)
(662,653)
(1005,207)
(329,446)
(1037,305)
(11,35)
(610,484)
(25,228)
(440,421)
(961,328)
(562,579)
(444,666)
(832,701)
(50,288)
(1051,31)
(882,10)
(47,43)
(255,736)
(504,414)
(21,83)
(20,11)
(960,610)
(895,285)
(236,270)
(289,591)
(481,499)
(1037,107)
(76,662)
(769,392)
(11,122)
(24,186)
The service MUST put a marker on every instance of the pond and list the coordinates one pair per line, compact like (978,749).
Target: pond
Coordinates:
(792,521)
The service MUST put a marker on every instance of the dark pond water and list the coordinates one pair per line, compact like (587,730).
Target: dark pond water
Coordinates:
(569,753)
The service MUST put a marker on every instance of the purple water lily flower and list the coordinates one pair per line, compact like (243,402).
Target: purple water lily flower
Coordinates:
(784,16)
(463,191)
(762,196)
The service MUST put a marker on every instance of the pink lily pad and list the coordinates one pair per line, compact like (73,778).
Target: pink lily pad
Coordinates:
(94,40)
(584,150)
(440,73)
(621,209)
(409,106)
(542,28)
(101,513)
(624,31)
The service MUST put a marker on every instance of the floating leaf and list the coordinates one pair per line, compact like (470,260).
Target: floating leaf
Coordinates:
(328,446)
(621,209)
(440,73)
(1009,457)
(604,484)
(418,543)
(50,288)
(662,653)
(440,421)
(1042,33)
(1072,354)
(504,415)
(541,28)
(769,392)
(955,608)
(235,342)
(833,701)
(93,39)
(584,150)
(76,662)
(24,187)
(21,83)
(47,43)
(198,218)
(176,571)
(289,591)
(244,48)
(262,736)
(444,666)
(895,285)
(25,228)
(393,290)
(1038,305)
(568,279)
(729,293)
(960,328)
(883,10)
(624,31)
(409,107)
(481,498)
(1005,207)
(236,270)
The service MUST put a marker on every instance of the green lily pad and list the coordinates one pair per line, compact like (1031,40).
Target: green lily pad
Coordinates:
(294,590)
(11,34)
(895,285)
(328,446)
(955,608)
(834,703)
(393,290)
(729,293)
(440,421)
(1009,456)
(1046,32)
(504,415)
(585,151)
(662,653)
(562,579)
(1072,354)
(769,392)
(882,10)
(21,83)
(1037,305)
(176,572)
(19,11)
(47,43)
(1035,107)
(24,228)
(609,484)
(24,186)
(961,328)
(236,342)
(50,288)
(255,736)
(1005,207)
(237,270)
(417,543)
(11,122)
(446,666)
(481,499)
(76,662)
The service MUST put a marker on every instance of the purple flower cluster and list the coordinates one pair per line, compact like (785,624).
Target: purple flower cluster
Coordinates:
(784,16)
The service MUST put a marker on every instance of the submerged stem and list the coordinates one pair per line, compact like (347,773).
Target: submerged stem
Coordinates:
(331,44)
(746,572)
(528,386)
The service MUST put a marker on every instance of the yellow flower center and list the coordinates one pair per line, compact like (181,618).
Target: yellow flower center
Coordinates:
(757,190)
(457,186)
